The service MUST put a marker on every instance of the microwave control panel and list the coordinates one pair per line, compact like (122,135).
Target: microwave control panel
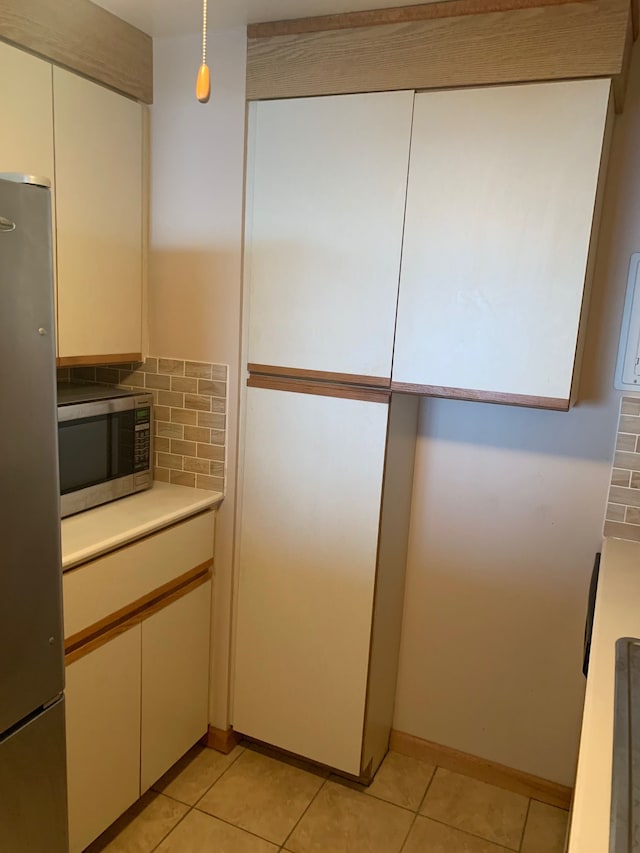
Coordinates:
(142,449)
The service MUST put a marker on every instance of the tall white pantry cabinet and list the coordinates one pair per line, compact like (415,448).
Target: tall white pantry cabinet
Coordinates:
(419,243)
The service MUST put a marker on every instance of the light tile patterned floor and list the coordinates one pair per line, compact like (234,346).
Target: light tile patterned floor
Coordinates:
(251,802)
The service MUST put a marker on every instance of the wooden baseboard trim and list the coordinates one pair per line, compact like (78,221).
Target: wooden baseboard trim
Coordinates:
(222,740)
(481,768)
(93,360)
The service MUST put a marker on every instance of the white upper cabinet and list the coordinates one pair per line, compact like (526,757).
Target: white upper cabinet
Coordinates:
(325,202)
(99,176)
(500,208)
(26,114)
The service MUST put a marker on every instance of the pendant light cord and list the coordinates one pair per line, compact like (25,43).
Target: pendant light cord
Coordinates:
(203,80)
(204,32)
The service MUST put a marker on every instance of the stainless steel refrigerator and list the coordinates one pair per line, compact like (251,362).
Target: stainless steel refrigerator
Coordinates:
(33,801)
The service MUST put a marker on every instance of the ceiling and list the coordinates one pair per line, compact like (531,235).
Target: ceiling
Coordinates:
(179,17)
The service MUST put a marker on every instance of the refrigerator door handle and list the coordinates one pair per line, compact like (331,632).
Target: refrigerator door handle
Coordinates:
(6,225)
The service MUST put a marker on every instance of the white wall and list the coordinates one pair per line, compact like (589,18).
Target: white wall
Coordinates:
(507,514)
(197,173)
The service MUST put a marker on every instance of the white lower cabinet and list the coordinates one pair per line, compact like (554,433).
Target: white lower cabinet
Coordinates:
(137,695)
(315,667)
(175,682)
(135,705)
(103,736)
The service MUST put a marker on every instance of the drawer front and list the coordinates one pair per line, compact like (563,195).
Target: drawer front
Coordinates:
(101,588)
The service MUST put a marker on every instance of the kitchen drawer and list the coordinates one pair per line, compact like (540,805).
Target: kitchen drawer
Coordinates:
(99,589)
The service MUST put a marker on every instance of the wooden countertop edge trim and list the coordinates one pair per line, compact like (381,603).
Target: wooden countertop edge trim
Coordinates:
(381,382)
(398,15)
(482,769)
(557,404)
(323,389)
(92,360)
(85,641)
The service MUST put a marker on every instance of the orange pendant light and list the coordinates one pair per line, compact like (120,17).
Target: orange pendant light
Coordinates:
(203,81)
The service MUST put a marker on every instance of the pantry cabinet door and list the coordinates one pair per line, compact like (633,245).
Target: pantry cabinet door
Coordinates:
(98,147)
(311,492)
(103,736)
(500,206)
(326,184)
(175,681)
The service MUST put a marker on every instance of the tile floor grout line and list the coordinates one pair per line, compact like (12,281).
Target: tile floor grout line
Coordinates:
(373,796)
(190,807)
(167,834)
(221,776)
(175,799)
(311,801)
(429,784)
(236,826)
(388,802)
(551,805)
(472,834)
(524,826)
(413,823)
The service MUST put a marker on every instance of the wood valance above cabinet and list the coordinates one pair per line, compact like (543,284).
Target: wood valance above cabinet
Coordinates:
(443,45)
(85,38)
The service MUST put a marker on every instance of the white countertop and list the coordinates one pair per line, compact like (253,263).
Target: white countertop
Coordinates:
(96,531)
(617,615)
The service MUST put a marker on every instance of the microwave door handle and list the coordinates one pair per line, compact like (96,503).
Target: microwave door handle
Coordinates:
(115,444)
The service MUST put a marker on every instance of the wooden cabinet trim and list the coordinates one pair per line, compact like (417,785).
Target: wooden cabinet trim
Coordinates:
(321,376)
(511,42)
(397,15)
(222,740)
(558,404)
(90,360)
(86,39)
(323,389)
(100,632)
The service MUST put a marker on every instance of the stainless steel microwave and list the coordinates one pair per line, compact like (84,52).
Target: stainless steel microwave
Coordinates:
(105,444)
